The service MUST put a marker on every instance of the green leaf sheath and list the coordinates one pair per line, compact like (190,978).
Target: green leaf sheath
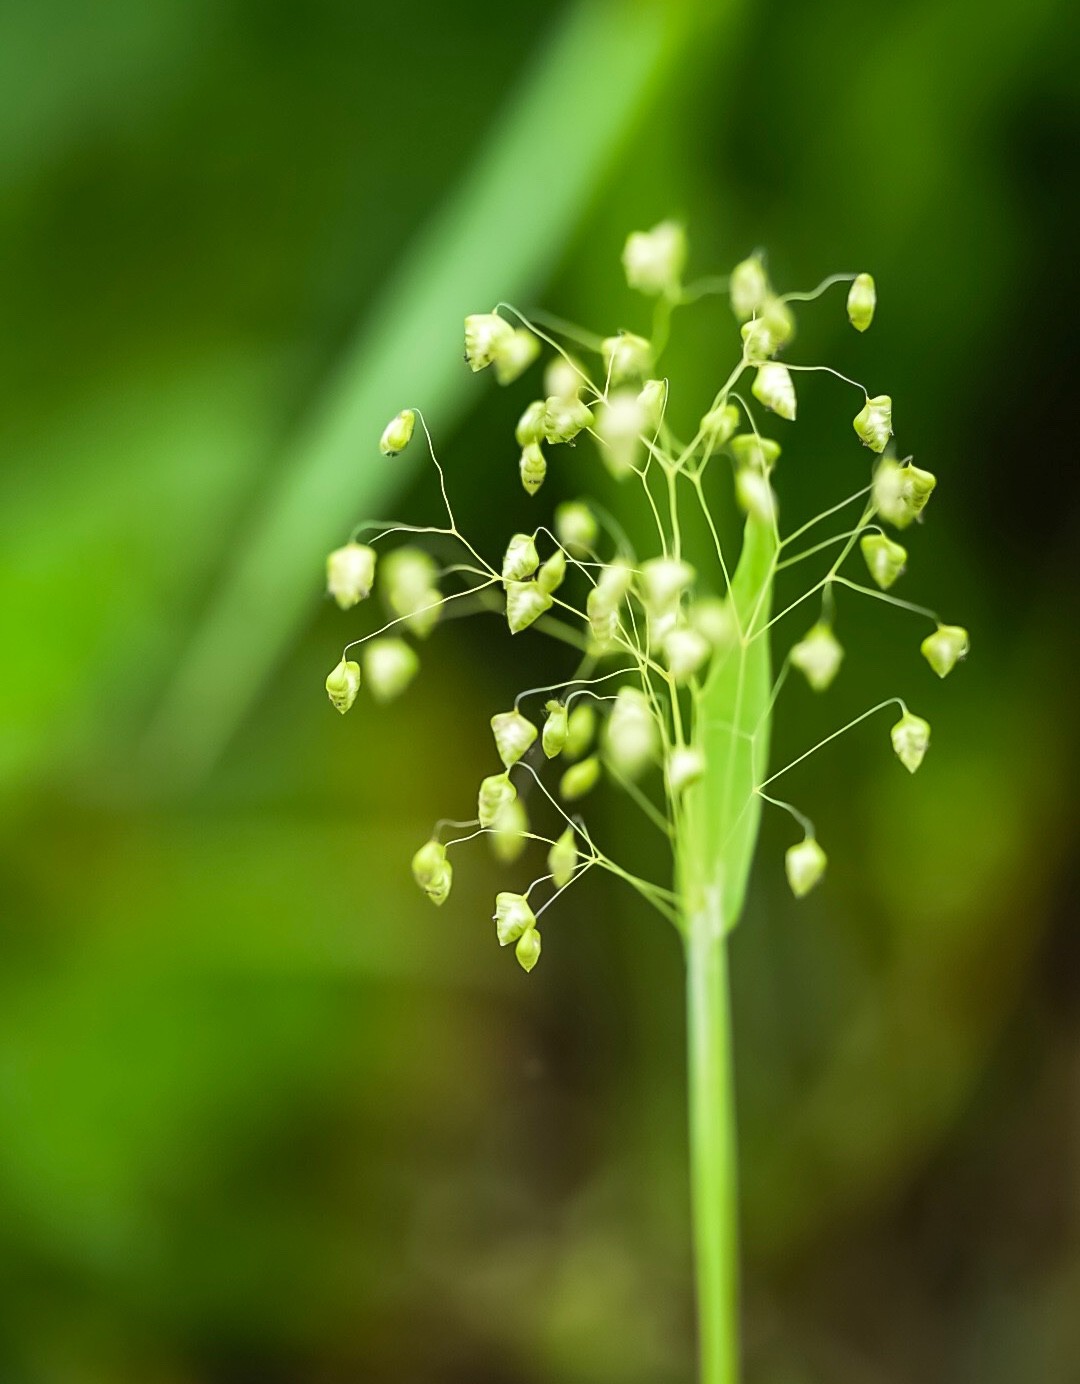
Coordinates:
(722,813)
(715,850)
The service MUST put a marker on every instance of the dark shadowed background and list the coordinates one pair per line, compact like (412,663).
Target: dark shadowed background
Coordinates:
(265,1116)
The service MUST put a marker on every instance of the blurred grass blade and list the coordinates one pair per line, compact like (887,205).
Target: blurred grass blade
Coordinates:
(496,238)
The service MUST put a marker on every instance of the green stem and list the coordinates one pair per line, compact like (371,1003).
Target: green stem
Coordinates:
(713,1166)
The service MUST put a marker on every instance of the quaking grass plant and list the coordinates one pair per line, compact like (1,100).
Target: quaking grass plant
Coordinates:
(673,697)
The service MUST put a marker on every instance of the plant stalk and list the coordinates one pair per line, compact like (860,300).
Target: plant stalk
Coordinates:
(713,1164)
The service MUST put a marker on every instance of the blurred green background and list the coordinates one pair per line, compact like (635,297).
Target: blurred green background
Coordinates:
(265,1117)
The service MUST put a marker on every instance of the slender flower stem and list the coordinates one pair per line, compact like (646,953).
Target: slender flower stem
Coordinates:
(713,1169)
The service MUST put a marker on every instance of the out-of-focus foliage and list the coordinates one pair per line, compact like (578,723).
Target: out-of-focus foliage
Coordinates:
(264,1115)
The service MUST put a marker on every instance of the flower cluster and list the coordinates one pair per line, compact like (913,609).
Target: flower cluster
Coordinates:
(652,632)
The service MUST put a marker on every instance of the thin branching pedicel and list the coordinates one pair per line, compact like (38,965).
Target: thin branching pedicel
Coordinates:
(654,636)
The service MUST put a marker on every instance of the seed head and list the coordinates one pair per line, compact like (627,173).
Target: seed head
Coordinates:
(495,792)
(580,730)
(818,656)
(774,387)
(532,467)
(389,666)
(685,651)
(553,736)
(343,684)
(720,423)
(408,578)
(663,581)
(398,433)
(564,417)
(514,734)
(749,287)
(873,422)
(563,376)
(619,426)
(525,603)
(579,779)
(433,872)
(714,617)
(652,400)
(485,334)
(513,356)
(885,560)
(552,572)
(805,864)
(508,838)
(861,302)
(945,648)
(901,492)
(756,453)
(576,528)
(521,559)
(350,574)
(631,738)
(513,917)
(769,332)
(654,260)
(527,950)
(604,600)
(562,859)
(626,357)
(530,426)
(685,767)
(910,740)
